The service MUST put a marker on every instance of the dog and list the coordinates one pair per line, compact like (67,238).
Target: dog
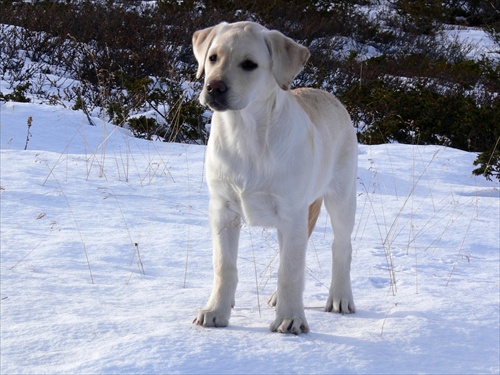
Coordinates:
(274,155)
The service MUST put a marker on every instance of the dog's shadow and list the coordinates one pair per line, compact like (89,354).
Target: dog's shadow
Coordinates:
(313,335)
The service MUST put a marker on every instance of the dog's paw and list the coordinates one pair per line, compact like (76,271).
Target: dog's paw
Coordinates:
(290,325)
(211,318)
(340,305)
(273,300)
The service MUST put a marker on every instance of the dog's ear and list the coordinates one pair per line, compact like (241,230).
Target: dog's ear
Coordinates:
(288,57)
(202,39)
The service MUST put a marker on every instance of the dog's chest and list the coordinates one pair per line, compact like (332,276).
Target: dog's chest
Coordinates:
(256,192)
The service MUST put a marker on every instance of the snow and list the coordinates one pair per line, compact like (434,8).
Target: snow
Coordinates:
(86,209)
(476,40)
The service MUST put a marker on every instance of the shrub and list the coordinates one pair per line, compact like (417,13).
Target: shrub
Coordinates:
(386,112)
(146,127)
(18,95)
(489,164)
(129,58)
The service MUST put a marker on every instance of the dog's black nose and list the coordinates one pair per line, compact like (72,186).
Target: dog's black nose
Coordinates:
(216,87)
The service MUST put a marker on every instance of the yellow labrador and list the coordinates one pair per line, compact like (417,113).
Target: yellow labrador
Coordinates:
(273,156)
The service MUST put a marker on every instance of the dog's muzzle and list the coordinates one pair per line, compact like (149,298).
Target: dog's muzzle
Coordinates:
(216,95)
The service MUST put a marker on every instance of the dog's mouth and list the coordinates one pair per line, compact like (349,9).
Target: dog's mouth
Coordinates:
(217,105)
(222,103)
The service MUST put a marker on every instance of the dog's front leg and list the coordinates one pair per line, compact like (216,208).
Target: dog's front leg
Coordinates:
(225,227)
(290,315)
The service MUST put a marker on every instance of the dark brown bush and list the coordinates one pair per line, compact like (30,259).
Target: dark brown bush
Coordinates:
(129,58)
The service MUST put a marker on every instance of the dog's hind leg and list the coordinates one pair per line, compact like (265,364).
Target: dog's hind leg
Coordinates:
(314,210)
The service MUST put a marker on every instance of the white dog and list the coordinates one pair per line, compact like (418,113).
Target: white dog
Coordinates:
(273,156)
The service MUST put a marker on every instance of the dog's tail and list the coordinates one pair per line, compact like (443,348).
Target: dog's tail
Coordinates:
(314,210)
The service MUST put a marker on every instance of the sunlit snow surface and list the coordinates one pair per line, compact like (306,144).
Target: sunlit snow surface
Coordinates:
(85,209)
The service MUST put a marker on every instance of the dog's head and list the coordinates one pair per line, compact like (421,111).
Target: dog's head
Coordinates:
(243,62)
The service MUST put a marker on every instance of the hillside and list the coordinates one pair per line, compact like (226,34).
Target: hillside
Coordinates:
(409,72)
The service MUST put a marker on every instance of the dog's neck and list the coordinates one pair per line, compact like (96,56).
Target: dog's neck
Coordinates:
(254,129)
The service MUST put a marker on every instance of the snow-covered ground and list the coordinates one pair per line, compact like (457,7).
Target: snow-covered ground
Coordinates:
(477,41)
(106,257)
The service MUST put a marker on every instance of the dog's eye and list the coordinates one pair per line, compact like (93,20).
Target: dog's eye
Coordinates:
(213,58)
(248,65)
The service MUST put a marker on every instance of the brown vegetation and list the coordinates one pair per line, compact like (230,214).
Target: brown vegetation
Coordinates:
(130,58)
